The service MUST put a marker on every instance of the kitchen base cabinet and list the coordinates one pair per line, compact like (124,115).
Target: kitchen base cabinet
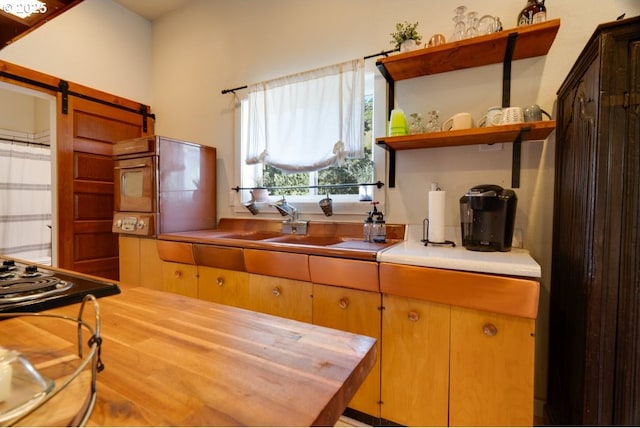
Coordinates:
(180,278)
(140,263)
(415,361)
(151,265)
(223,286)
(355,311)
(129,262)
(287,298)
(491,369)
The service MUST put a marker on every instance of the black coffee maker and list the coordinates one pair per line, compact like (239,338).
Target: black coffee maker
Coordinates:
(487,216)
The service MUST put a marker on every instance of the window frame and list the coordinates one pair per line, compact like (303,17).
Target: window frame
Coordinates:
(347,205)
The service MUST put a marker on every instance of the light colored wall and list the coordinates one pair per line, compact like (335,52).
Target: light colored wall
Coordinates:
(206,46)
(17,111)
(97,43)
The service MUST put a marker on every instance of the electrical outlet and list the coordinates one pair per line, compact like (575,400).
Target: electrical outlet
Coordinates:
(494,147)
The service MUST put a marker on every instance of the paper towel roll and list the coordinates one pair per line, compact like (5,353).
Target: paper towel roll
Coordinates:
(436,215)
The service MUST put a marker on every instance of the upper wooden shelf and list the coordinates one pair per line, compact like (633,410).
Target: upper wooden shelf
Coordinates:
(493,134)
(532,40)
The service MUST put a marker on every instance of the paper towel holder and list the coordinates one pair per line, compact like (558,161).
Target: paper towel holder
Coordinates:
(425,236)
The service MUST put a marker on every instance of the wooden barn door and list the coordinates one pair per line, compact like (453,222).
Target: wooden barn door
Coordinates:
(86,133)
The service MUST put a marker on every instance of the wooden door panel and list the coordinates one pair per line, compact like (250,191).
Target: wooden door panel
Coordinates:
(85,184)
(93,125)
(93,167)
(355,311)
(415,361)
(492,367)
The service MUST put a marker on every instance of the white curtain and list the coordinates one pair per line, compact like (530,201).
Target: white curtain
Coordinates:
(308,121)
(25,201)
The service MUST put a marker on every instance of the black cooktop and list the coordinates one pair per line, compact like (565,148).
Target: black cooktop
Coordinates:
(35,288)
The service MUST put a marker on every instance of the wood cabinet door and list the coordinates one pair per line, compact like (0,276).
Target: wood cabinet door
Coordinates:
(415,361)
(180,278)
(287,298)
(491,373)
(355,311)
(129,248)
(223,286)
(150,264)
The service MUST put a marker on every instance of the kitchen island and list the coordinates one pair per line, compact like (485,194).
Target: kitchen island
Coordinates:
(173,360)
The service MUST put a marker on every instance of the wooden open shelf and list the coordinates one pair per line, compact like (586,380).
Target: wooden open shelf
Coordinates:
(502,47)
(533,40)
(532,131)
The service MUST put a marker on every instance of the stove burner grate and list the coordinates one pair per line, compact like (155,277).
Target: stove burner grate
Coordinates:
(24,289)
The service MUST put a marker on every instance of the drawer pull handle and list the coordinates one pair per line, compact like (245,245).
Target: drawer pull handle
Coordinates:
(343,303)
(490,329)
(413,316)
(220,281)
(276,291)
(178,274)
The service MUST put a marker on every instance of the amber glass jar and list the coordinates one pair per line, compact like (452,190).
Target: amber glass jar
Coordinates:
(534,12)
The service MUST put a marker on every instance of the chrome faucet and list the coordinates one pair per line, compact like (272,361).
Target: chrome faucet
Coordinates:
(292,225)
(285,209)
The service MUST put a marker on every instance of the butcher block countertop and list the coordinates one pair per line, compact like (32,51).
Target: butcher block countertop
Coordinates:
(172,360)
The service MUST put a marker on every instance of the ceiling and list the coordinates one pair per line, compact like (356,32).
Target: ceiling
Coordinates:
(152,9)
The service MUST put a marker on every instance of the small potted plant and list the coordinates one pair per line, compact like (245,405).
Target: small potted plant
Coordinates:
(406,36)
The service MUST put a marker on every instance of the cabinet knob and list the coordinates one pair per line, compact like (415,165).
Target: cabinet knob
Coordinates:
(490,329)
(220,281)
(413,316)
(276,291)
(177,274)
(343,303)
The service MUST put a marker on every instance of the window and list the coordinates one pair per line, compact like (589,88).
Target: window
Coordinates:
(309,186)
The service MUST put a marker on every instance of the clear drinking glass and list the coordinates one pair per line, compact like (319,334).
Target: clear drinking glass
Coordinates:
(459,23)
(472,25)
(433,125)
(487,25)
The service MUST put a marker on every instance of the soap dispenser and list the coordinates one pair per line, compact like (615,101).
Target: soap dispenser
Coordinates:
(368,224)
(379,229)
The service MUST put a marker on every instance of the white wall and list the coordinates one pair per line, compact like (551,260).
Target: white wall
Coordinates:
(97,43)
(206,46)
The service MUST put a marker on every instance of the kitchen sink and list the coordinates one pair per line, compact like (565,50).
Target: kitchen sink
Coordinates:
(253,236)
(307,240)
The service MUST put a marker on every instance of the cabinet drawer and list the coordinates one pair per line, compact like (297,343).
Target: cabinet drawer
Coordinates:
(178,252)
(503,295)
(344,273)
(219,257)
(223,286)
(275,263)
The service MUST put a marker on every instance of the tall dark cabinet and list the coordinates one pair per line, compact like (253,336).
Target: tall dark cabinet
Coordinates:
(594,338)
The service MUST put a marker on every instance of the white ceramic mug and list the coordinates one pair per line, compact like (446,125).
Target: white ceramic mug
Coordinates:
(511,115)
(492,118)
(458,121)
